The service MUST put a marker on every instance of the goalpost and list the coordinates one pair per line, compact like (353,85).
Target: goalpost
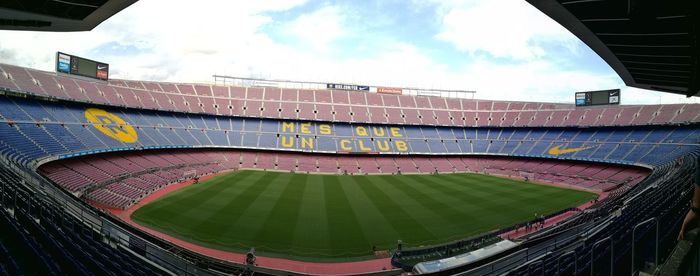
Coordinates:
(527,175)
(189,174)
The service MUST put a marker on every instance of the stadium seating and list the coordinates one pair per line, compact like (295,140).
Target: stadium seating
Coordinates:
(118,180)
(36,238)
(34,130)
(349,106)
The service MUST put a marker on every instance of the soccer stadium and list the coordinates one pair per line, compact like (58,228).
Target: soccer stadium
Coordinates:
(262,176)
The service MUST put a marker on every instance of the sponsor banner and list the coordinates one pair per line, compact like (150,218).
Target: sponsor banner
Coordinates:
(347,87)
(102,71)
(614,99)
(389,90)
(559,151)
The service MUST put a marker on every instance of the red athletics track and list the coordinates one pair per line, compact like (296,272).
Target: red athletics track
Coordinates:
(349,268)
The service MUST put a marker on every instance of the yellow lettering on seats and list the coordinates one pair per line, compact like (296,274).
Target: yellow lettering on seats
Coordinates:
(305,128)
(396,132)
(287,142)
(361,131)
(401,146)
(344,144)
(362,146)
(288,127)
(307,141)
(325,129)
(383,145)
(378,131)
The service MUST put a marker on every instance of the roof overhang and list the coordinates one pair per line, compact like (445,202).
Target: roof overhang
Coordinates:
(650,44)
(15,17)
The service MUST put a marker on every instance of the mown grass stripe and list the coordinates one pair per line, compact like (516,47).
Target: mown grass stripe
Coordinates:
(377,229)
(284,216)
(220,223)
(418,191)
(313,211)
(422,208)
(411,230)
(342,220)
(218,195)
(192,195)
(505,190)
(254,209)
(184,205)
(458,192)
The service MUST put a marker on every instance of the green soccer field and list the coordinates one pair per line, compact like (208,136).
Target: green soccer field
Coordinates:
(332,218)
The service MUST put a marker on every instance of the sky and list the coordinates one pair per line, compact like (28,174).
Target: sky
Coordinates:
(504,50)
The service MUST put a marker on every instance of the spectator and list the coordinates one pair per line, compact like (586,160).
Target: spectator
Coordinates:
(693,217)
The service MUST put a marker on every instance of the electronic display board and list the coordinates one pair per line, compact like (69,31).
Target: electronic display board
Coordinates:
(74,65)
(602,97)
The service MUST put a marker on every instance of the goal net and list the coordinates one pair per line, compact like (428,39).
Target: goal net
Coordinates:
(527,175)
(189,174)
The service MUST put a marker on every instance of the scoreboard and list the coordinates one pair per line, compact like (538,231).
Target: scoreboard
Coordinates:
(602,97)
(75,65)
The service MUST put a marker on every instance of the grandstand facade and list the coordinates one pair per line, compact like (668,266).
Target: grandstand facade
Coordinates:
(110,144)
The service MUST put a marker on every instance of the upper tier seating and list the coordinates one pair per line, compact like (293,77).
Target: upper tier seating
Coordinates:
(334,105)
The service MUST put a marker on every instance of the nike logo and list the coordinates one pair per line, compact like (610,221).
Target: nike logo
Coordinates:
(558,150)
(101,67)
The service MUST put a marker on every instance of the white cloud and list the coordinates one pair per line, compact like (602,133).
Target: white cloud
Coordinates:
(188,41)
(319,28)
(504,28)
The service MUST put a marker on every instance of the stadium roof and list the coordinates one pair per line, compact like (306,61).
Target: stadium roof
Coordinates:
(57,15)
(650,44)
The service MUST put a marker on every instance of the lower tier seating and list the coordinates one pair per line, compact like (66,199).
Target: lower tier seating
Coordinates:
(119,180)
